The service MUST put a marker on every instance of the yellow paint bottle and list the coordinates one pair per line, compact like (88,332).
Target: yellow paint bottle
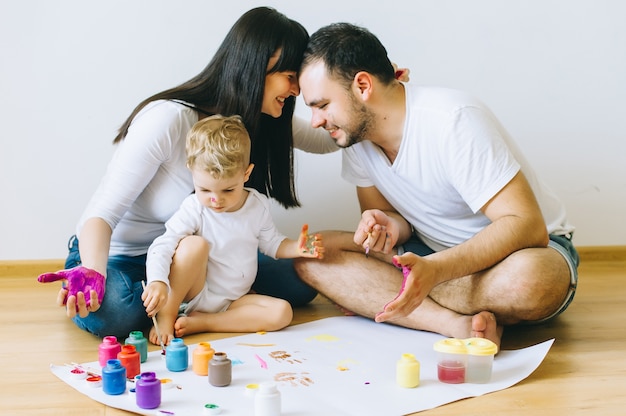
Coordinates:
(408,371)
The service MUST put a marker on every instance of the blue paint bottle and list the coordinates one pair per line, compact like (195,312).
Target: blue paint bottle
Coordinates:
(137,339)
(176,355)
(114,377)
(148,389)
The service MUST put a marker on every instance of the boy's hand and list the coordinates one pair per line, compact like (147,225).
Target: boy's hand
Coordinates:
(401,74)
(310,245)
(83,284)
(154,297)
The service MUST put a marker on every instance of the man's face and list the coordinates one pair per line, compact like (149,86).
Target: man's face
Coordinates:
(339,111)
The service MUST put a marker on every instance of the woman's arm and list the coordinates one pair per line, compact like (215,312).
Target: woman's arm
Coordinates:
(311,140)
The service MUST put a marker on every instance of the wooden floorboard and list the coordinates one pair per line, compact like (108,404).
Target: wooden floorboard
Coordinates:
(583,374)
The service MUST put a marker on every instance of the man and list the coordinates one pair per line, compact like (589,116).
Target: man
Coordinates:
(441,184)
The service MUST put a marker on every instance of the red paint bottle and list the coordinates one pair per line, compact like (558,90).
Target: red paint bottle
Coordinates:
(108,350)
(130,359)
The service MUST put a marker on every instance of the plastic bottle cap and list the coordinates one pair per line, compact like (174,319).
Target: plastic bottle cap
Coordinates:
(451,346)
(167,383)
(212,409)
(251,389)
(94,381)
(481,346)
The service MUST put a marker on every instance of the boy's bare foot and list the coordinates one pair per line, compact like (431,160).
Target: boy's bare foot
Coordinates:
(484,325)
(189,324)
(166,330)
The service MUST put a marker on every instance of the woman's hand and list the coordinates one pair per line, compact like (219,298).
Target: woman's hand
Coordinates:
(77,282)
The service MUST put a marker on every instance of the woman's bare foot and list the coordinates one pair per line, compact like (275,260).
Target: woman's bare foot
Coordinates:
(484,325)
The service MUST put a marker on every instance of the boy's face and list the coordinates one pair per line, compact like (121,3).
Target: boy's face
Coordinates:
(221,195)
(332,107)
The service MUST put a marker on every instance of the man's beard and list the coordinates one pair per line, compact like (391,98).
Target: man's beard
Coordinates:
(361,127)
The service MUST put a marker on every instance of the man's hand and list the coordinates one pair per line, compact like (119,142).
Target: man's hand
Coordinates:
(376,231)
(418,280)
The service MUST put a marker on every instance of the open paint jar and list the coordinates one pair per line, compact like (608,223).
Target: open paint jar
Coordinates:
(451,360)
(465,360)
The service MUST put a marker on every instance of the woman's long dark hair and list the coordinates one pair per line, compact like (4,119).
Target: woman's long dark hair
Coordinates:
(233,84)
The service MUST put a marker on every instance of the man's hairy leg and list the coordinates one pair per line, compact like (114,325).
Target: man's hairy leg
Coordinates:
(364,285)
(528,285)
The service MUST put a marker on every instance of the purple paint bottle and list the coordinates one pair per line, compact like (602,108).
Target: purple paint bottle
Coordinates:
(108,350)
(148,391)
(114,377)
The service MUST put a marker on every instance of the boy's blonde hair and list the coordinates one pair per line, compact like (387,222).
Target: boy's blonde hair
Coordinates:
(219,145)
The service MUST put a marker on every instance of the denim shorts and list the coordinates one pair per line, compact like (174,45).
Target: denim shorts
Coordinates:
(561,243)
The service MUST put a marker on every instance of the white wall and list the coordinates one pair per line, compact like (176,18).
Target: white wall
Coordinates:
(554,71)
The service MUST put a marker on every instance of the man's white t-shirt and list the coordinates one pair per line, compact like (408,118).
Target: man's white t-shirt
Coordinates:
(454,157)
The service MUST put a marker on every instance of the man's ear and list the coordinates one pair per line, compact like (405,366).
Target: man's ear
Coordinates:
(363,84)
(246,175)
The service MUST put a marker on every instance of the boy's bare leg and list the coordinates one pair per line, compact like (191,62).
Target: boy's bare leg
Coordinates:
(250,313)
(187,278)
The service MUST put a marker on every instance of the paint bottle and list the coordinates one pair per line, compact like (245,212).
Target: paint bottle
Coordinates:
(114,377)
(267,400)
(451,360)
(201,357)
(137,339)
(148,391)
(130,359)
(220,370)
(408,371)
(108,350)
(176,355)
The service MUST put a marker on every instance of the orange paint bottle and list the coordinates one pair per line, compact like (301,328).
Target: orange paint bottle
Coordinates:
(130,359)
(201,357)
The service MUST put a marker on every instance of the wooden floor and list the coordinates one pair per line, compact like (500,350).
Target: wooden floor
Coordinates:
(583,374)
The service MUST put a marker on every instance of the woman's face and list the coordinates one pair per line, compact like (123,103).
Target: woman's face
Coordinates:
(278,87)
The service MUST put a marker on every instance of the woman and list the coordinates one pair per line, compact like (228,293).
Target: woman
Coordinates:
(253,74)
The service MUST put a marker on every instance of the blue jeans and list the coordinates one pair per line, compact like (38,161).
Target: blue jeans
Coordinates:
(279,279)
(122,309)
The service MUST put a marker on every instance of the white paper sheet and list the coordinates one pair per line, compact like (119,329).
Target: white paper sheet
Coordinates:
(335,366)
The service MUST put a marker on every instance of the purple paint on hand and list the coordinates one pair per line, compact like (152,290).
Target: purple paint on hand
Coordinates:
(79,279)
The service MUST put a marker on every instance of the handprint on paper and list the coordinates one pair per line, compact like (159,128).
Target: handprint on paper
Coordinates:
(294,379)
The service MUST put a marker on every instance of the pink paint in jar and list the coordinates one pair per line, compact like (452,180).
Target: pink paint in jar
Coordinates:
(451,360)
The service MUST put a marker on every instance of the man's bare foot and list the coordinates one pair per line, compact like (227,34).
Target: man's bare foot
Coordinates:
(484,325)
